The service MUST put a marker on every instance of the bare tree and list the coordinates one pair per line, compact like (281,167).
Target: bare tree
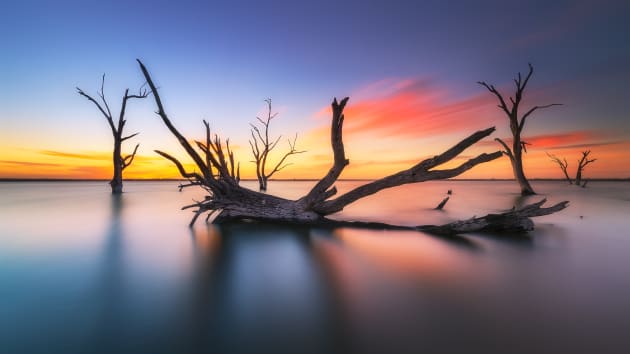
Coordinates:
(120,162)
(517,123)
(261,148)
(581,165)
(563,164)
(231,202)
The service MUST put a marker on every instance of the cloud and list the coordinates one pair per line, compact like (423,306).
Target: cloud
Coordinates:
(28,163)
(411,108)
(87,156)
(569,140)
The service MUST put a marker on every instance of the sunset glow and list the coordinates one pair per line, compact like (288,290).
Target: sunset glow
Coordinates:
(405,106)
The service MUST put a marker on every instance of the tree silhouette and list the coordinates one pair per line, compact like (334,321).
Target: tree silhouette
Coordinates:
(261,148)
(581,165)
(517,123)
(563,164)
(120,162)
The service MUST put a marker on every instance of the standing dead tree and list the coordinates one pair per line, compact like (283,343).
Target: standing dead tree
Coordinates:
(261,148)
(517,123)
(581,165)
(231,202)
(120,162)
(563,164)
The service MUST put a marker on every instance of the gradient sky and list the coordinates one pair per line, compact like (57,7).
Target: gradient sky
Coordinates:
(409,67)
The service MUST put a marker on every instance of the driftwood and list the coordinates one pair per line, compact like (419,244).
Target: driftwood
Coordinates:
(512,221)
(517,123)
(442,203)
(230,202)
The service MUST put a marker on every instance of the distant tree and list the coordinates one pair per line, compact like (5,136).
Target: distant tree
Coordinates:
(120,162)
(517,123)
(261,148)
(581,165)
(563,164)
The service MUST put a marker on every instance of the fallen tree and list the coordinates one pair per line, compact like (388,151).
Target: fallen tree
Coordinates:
(231,202)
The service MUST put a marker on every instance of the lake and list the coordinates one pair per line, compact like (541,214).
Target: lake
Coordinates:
(84,272)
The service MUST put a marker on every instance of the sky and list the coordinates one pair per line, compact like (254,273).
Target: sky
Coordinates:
(410,69)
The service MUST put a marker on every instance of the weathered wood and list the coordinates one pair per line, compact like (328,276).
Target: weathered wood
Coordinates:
(517,123)
(232,202)
(119,162)
(512,221)
(442,203)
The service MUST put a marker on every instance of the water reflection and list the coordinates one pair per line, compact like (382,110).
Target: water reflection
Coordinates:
(96,273)
(270,291)
(110,284)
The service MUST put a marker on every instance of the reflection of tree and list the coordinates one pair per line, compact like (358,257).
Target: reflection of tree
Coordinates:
(111,281)
(225,295)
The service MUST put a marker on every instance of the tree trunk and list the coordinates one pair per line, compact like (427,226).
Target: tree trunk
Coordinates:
(116,183)
(519,174)
(578,177)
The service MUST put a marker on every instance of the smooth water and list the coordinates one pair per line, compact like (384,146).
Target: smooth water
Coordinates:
(84,272)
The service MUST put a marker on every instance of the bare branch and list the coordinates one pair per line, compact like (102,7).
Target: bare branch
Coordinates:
(127,160)
(129,136)
(493,90)
(419,173)
(180,138)
(100,108)
(180,167)
(532,110)
(318,192)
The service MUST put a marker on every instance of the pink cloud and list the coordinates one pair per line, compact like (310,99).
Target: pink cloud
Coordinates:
(413,108)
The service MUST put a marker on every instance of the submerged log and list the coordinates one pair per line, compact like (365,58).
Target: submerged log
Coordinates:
(442,203)
(511,221)
(229,201)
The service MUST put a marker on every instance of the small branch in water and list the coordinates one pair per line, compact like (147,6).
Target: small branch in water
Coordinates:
(442,203)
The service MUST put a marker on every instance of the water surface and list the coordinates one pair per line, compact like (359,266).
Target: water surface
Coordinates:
(82,271)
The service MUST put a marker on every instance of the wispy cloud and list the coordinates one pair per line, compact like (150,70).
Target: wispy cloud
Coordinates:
(87,156)
(569,140)
(28,163)
(410,108)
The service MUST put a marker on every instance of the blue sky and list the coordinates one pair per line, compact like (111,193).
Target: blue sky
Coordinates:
(219,60)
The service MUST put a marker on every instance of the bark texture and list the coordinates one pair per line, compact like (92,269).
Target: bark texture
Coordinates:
(120,162)
(517,123)
(228,201)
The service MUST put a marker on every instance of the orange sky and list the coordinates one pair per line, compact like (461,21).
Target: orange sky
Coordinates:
(390,125)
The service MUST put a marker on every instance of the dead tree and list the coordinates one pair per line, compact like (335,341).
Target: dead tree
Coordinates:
(517,123)
(581,165)
(563,164)
(231,202)
(261,148)
(120,162)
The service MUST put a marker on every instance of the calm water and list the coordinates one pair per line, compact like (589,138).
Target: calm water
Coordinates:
(83,272)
